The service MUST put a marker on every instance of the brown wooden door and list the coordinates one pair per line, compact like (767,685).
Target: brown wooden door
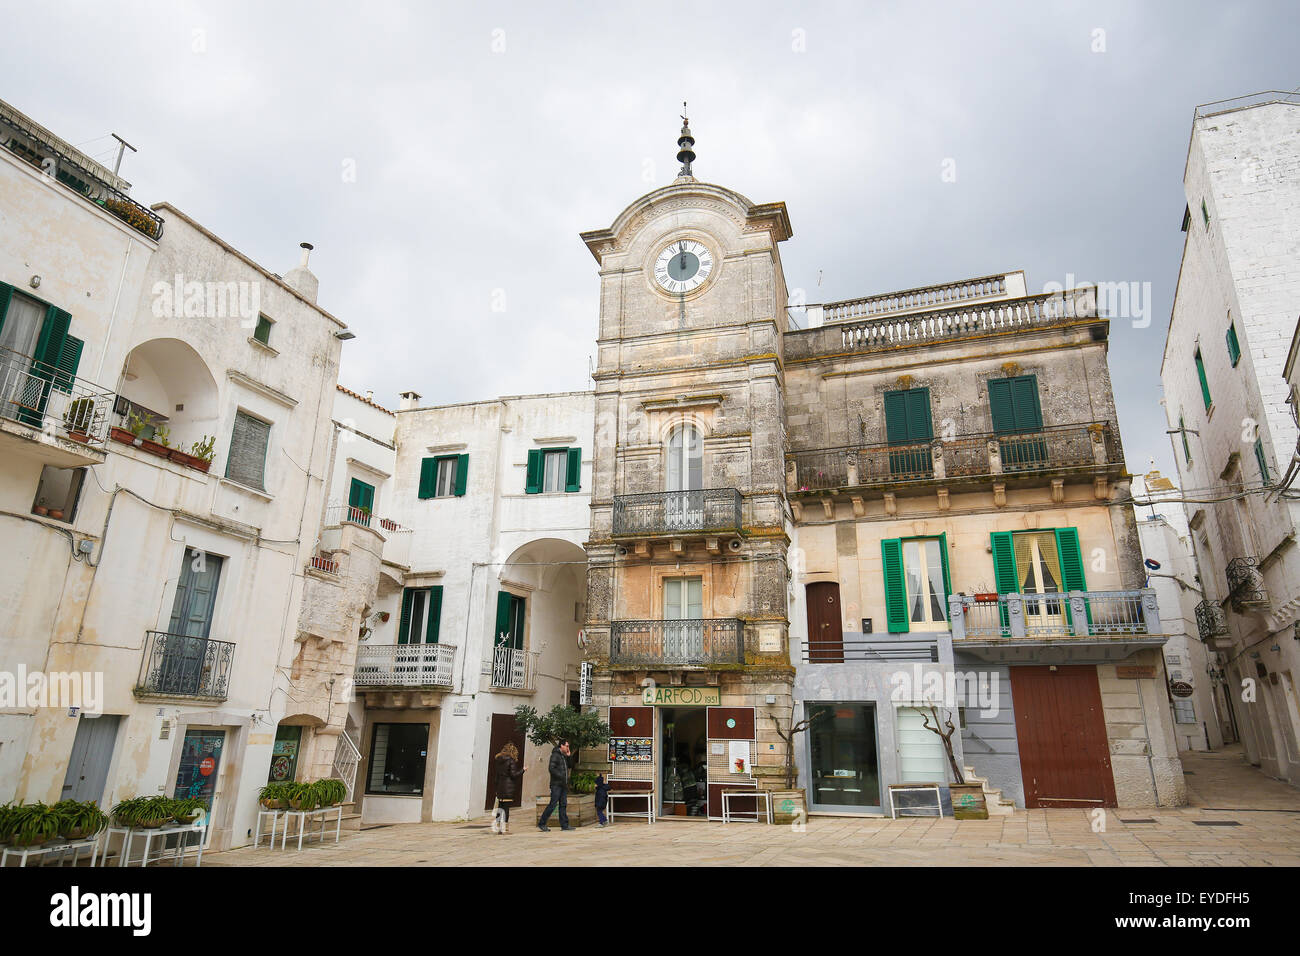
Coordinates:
(825,630)
(1064,753)
(504,729)
(726,724)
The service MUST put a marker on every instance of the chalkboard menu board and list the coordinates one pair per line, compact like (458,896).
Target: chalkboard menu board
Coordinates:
(630,748)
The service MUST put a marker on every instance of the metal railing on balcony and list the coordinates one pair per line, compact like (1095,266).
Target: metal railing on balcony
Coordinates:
(178,665)
(1070,614)
(36,146)
(856,647)
(514,668)
(1211,621)
(321,563)
(1245,583)
(678,512)
(1083,445)
(49,399)
(404,665)
(687,643)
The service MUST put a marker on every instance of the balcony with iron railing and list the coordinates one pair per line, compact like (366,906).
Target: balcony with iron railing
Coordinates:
(514,669)
(70,168)
(1211,622)
(678,513)
(60,418)
(699,642)
(180,665)
(1246,587)
(397,538)
(394,666)
(998,317)
(1089,447)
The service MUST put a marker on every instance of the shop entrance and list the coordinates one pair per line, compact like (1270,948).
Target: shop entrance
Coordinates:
(683,761)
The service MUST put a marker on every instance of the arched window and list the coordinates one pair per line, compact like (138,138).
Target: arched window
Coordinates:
(685,460)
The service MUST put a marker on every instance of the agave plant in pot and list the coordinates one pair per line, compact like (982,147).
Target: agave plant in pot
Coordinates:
(146,812)
(188,810)
(330,792)
(273,796)
(301,796)
(32,824)
(80,820)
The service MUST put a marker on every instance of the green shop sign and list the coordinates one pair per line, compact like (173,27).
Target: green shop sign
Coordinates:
(681,696)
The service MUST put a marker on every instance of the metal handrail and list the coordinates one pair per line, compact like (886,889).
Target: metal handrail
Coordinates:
(674,512)
(1261,98)
(1067,614)
(46,397)
(692,642)
(182,665)
(404,665)
(858,648)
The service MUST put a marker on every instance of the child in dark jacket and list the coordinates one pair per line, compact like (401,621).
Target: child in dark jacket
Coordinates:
(602,799)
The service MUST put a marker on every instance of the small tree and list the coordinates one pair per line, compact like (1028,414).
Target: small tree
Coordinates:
(958,777)
(562,723)
(789,735)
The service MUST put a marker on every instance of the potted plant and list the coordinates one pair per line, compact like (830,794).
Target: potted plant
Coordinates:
(199,456)
(967,798)
(330,792)
(581,730)
(32,824)
(186,810)
(144,812)
(791,804)
(301,796)
(78,418)
(136,426)
(56,514)
(272,796)
(79,820)
(41,508)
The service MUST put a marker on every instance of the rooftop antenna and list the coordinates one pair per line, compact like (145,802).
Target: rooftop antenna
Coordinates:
(685,154)
(122,146)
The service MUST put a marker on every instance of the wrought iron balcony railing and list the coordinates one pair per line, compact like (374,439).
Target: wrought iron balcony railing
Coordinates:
(47,398)
(689,643)
(178,665)
(856,647)
(1057,447)
(404,665)
(678,512)
(1245,583)
(514,669)
(1072,614)
(1211,622)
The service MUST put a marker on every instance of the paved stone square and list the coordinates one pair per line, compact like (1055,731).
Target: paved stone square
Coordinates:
(1221,786)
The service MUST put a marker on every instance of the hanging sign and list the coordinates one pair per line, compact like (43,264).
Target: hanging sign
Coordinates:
(1180,688)
(584,685)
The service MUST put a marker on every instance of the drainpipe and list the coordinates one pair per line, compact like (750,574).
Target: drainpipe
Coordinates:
(112,317)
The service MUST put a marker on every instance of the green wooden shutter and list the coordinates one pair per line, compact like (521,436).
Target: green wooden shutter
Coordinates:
(1187,449)
(1234,347)
(1024,403)
(1005,577)
(435,615)
(947,582)
(53,332)
(1261,460)
(361,495)
(428,477)
(68,363)
(573,473)
(896,417)
(404,626)
(918,415)
(6,291)
(891,555)
(462,474)
(504,601)
(1004,417)
(533,479)
(1071,556)
(1205,385)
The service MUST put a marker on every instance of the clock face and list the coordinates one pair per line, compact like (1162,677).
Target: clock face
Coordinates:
(683,265)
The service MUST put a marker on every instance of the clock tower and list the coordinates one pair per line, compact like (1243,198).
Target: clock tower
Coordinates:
(687,628)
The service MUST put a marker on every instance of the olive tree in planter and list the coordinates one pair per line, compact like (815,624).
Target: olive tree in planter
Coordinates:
(581,730)
(967,798)
(791,804)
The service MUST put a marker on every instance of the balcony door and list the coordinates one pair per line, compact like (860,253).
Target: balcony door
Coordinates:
(683,620)
(184,656)
(1018,417)
(1039,565)
(20,332)
(685,474)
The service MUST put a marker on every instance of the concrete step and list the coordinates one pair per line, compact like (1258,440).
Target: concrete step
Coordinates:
(351,821)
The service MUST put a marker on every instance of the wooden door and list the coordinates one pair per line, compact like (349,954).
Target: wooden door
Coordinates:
(725,724)
(1064,753)
(504,730)
(92,751)
(825,630)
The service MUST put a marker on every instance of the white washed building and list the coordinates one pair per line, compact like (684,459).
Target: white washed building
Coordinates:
(484,606)
(176,582)
(1234,312)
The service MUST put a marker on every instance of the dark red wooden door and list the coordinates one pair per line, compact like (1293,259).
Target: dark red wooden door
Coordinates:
(825,630)
(504,728)
(1064,754)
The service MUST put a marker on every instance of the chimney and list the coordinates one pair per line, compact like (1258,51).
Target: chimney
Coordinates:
(370,394)
(409,400)
(301,278)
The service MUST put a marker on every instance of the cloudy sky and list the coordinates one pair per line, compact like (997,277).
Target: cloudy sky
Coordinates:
(444,157)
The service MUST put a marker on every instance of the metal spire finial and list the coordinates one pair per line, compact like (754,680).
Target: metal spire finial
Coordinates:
(685,155)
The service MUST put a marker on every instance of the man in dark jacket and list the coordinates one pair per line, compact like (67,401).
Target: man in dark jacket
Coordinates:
(559,768)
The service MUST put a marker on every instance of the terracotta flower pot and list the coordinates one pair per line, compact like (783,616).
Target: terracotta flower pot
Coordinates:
(41,510)
(56,514)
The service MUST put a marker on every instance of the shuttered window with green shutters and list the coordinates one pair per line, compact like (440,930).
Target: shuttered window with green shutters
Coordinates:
(1007,576)
(443,476)
(1205,385)
(246,458)
(907,422)
(1187,448)
(509,622)
(553,470)
(68,363)
(421,615)
(1013,403)
(1261,460)
(361,501)
(1234,347)
(891,558)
